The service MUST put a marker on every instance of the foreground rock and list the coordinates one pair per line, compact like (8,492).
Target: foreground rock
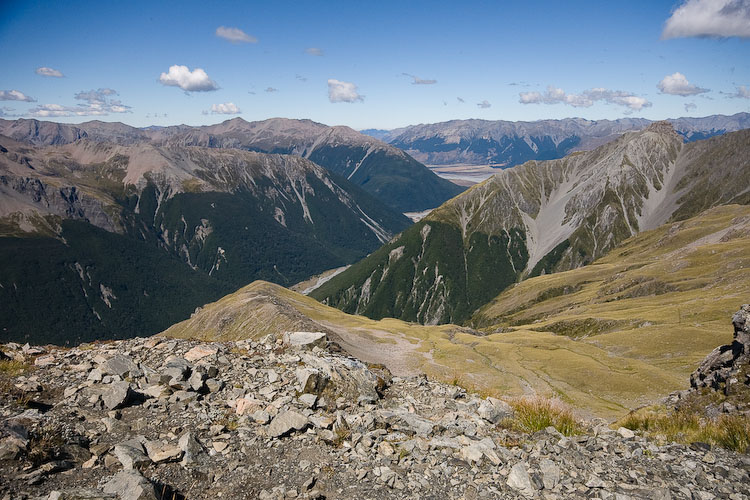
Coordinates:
(160,419)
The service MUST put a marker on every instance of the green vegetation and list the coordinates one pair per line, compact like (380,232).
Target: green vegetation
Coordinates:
(12,367)
(57,292)
(532,414)
(429,275)
(688,426)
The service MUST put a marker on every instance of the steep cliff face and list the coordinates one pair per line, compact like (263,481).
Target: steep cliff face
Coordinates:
(543,217)
(229,215)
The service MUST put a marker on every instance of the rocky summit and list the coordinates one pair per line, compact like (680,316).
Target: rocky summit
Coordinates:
(290,416)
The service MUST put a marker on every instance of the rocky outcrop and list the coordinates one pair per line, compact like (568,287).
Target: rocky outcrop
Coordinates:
(727,365)
(239,420)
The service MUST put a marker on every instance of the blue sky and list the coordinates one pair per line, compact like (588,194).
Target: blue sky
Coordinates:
(376,64)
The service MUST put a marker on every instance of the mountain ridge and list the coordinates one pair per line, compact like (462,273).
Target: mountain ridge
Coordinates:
(505,143)
(541,217)
(381,169)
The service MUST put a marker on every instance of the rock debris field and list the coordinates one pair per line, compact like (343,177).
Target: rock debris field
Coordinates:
(292,417)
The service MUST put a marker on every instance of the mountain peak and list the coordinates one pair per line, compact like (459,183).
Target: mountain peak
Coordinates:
(661,127)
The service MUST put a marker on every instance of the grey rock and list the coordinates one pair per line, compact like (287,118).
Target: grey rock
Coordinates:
(519,480)
(306,340)
(286,422)
(131,454)
(130,485)
(122,366)
(550,473)
(494,410)
(80,494)
(117,395)
(191,448)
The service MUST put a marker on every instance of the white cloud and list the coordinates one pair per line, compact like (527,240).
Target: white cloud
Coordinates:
(9,112)
(226,108)
(97,103)
(709,18)
(484,104)
(15,95)
(189,81)
(235,35)
(690,106)
(460,100)
(314,51)
(587,98)
(742,93)
(45,71)
(343,92)
(271,89)
(677,84)
(419,81)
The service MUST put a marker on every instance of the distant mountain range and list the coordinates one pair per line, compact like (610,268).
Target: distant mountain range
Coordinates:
(542,217)
(383,170)
(505,143)
(101,239)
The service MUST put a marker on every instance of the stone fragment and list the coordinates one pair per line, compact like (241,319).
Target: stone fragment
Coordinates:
(120,365)
(131,454)
(200,352)
(191,447)
(130,485)
(519,480)
(160,452)
(286,422)
(494,410)
(550,473)
(305,340)
(117,395)
(625,433)
(81,494)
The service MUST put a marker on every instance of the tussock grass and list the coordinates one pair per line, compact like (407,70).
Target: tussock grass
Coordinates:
(532,414)
(688,426)
(12,367)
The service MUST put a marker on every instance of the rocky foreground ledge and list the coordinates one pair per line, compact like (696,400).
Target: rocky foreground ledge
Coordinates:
(156,418)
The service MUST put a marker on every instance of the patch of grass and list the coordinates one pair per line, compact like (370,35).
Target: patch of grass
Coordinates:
(534,414)
(687,426)
(12,367)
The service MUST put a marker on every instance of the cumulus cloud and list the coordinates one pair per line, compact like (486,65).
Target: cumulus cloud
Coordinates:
(189,81)
(339,91)
(484,104)
(271,89)
(314,51)
(690,106)
(15,95)
(96,103)
(743,92)
(677,84)
(419,81)
(225,108)
(235,35)
(709,18)
(587,98)
(45,71)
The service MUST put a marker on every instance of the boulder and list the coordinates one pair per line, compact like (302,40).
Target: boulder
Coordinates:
(519,480)
(200,352)
(130,485)
(304,340)
(120,365)
(286,422)
(117,395)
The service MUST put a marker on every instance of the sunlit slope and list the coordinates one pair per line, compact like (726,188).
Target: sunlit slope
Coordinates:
(664,297)
(614,335)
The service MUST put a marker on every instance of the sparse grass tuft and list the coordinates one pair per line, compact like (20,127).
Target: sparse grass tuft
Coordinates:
(687,426)
(534,414)
(12,367)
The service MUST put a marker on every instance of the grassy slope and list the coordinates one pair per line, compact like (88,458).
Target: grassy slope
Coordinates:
(649,345)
